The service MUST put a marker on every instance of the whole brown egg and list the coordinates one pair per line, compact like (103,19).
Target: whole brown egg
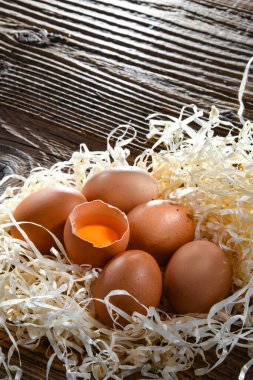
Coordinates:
(160,228)
(134,271)
(50,208)
(123,187)
(197,276)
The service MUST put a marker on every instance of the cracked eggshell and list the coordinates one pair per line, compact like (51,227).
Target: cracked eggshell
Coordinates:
(81,251)
(160,228)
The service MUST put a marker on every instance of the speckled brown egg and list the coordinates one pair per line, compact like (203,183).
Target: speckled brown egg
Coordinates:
(134,271)
(50,208)
(160,228)
(197,276)
(123,187)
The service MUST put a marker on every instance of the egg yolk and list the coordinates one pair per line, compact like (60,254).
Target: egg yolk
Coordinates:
(98,234)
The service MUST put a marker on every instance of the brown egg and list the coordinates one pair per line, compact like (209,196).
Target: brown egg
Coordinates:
(49,207)
(160,228)
(197,276)
(95,232)
(122,187)
(134,271)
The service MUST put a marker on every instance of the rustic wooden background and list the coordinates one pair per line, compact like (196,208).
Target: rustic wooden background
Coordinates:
(72,70)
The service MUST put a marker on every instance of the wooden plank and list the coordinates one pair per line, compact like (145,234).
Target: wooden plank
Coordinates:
(218,88)
(71,71)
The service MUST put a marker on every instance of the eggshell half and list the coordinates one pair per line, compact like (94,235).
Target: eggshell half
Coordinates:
(134,271)
(197,276)
(49,207)
(81,251)
(160,228)
(122,186)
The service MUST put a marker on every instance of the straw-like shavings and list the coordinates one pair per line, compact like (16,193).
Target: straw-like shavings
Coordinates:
(50,297)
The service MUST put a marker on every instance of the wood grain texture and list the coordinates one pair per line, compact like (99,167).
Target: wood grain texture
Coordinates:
(72,70)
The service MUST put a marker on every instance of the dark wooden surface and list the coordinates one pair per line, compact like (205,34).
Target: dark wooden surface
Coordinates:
(72,70)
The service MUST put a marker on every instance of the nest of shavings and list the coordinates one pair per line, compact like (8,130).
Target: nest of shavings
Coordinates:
(50,297)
